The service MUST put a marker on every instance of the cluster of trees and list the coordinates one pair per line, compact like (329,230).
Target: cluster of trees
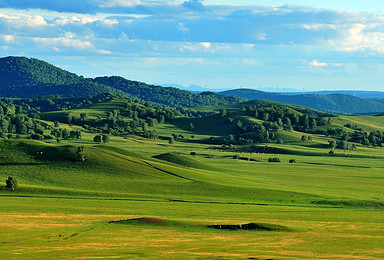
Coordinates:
(134,118)
(14,121)
(274,118)
(55,102)
(342,144)
(288,119)
(101,138)
(373,138)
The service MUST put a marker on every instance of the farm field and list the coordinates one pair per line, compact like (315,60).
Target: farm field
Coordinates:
(324,207)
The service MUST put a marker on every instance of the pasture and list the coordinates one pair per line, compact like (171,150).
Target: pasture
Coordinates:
(331,207)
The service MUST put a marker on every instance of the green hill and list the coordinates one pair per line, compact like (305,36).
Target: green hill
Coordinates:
(167,95)
(24,78)
(333,103)
(22,71)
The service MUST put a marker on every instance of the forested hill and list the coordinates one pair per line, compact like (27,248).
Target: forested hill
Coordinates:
(22,71)
(22,77)
(167,95)
(333,103)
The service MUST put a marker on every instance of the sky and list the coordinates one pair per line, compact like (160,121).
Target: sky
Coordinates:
(299,44)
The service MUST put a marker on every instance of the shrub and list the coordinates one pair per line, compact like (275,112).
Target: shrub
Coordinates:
(192,153)
(37,137)
(274,159)
(11,183)
(236,156)
(292,161)
(81,154)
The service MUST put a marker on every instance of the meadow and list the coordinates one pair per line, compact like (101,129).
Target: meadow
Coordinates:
(330,206)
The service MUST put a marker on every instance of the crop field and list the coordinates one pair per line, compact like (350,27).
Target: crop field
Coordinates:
(138,198)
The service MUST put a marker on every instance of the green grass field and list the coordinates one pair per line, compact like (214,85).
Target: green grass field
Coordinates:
(332,206)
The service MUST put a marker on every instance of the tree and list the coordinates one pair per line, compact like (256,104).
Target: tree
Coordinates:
(81,154)
(105,139)
(83,116)
(97,139)
(11,183)
(313,124)
(304,138)
(191,126)
(223,113)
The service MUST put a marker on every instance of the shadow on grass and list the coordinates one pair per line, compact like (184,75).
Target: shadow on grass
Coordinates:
(163,222)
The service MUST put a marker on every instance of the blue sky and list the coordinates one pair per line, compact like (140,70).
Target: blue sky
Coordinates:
(301,44)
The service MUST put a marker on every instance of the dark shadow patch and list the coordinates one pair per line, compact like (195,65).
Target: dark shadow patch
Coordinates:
(155,221)
(351,203)
(252,226)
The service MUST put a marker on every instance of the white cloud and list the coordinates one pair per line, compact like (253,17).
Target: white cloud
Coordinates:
(22,21)
(206,45)
(68,44)
(318,27)
(8,38)
(315,63)
(110,22)
(64,42)
(121,3)
(359,37)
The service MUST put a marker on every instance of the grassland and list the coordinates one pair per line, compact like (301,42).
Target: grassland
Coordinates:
(329,207)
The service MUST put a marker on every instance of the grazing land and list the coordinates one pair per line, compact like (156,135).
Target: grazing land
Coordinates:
(330,207)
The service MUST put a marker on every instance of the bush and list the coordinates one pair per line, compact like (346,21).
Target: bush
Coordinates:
(192,153)
(274,159)
(11,183)
(236,156)
(292,161)
(331,152)
(37,137)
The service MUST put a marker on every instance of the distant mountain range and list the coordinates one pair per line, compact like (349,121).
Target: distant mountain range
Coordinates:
(23,77)
(333,103)
(286,91)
